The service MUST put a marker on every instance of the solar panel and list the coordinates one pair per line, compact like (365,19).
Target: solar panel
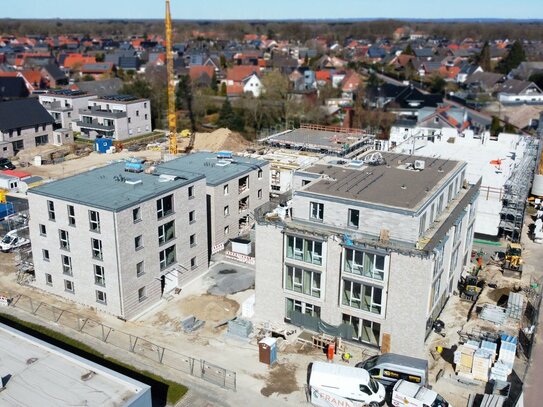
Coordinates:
(120,98)
(68,92)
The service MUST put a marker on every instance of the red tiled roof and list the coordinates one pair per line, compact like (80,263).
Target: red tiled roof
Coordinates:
(33,77)
(78,59)
(322,75)
(196,71)
(234,89)
(239,72)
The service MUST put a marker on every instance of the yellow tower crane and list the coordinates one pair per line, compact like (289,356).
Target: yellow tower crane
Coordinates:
(172,119)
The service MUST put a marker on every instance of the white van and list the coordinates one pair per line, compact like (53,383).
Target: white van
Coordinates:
(388,368)
(333,385)
(407,394)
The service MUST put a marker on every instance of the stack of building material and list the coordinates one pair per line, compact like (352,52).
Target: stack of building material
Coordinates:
(491,347)
(506,358)
(494,314)
(240,327)
(515,305)
(482,361)
(463,358)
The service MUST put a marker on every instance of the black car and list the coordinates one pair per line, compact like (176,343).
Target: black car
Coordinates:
(6,164)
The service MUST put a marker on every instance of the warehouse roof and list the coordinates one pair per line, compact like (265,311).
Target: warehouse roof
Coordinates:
(217,171)
(44,375)
(113,189)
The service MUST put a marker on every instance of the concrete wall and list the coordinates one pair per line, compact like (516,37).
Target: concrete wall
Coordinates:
(219,200)
(27,136)
(118,232)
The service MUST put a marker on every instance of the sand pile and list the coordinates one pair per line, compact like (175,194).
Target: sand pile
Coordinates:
(220,139)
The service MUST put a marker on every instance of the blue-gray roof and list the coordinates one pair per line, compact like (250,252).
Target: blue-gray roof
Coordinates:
(106,187)
(206,164)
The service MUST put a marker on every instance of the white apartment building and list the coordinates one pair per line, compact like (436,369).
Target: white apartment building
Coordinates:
(64,106)
(118,241)
(118,117)
(371,251)
(235,187)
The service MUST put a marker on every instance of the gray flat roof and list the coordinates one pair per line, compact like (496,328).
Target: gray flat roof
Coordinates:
(208,165)
(107,187)
(318,138)
(44,375)
(386,184)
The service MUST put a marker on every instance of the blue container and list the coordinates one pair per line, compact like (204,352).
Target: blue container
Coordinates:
(102,144)
(6,209)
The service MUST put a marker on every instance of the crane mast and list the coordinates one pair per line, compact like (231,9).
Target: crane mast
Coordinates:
(172,119)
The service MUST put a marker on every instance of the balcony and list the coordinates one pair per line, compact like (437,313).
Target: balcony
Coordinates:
(94,125)
(56,107)
(95,111)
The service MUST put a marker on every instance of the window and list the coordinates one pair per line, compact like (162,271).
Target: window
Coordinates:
(303,281)
(71,215)
(43,230)
(101,297)
(193,263)
(226,210)
(164,206)
(192,216)
(259,174)
(354,218)
(316,211)
(305,182)
(364,264)
(226,230)
(166,232)
(432,213)
(146,116)
(363,330)
(301,307)
(51,210)
(41,140)
(192,240)
(45,254)
(259,194)
(142,294)
(64,239)
(364,297)
(306,250)
(66,265)
(451,192)
(48,279)
(225,189)
(435,292)
(422,223)
(191,192)
(136,214)
(130,121)
(440,203)
(69,286)
(97,249)
(99,276)
(140,270)
(94,221)
(167,257)
(137,113)
(138,242)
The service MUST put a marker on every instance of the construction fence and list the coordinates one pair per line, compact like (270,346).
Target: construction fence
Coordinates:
(186,364)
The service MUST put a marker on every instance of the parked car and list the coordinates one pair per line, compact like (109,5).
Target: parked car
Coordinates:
(406,394)
(6,164)
(388,368)
(12,241)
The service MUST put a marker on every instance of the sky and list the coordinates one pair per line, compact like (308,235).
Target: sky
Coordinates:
(273,9)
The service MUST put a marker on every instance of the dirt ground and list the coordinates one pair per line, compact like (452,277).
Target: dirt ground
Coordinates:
(220,139)
(209,308)
(281,380)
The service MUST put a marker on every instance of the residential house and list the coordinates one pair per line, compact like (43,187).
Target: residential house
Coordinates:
(98,70)
(12,87)
(514,91)
(54,76)
(243,79)
(526,69)
(116,116)
(202,75)
(371,250)
(102,87)
(74,62)
(483,81)
(466,70)
(118,241)
(22,131)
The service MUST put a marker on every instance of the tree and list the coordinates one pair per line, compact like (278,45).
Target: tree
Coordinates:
(222,91)
(184,98)
(495,126)
(87,78)
(513,59)
(408,50)
(537,78)
(222,61)
(437,84)
(229,118)
(214,85)
(483,59)
(100,57)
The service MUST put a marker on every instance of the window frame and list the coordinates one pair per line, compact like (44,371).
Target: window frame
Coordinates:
(94,224)
(64,242)
(51,210)
(71,284)
(160,207)
(71,215)
(318,214)
(67,267)
(295,280)
(101,301)
(163,262)
(350,222)
(99,278)
(163,230)
(97,252)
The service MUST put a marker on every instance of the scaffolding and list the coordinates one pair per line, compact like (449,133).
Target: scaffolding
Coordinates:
(516,192)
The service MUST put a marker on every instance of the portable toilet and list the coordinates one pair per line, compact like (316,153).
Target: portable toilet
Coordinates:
(101,145)
(267,351)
